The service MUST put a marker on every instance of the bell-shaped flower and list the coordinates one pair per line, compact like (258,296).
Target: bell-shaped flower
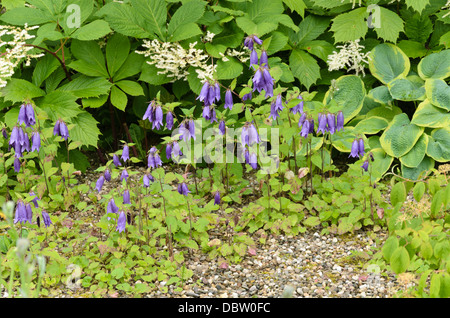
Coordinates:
(125,153)
(361,147)
(21,213)
(228,99)
(340,121)
(35,199)
(299,107)
(126,197)
(116,160)
(183,189)
(16,164)
(305,128)
(46,218)
(253,160)
(322,126)
(29,114)
(222,127)
(169,120)
(264,59)
(29,213)
(168,151)
(99,183)
(107,175)
(365,165)
(124,175)
(121,222)
(111,207)
(149,112)
(355,149)
(158,120)
(331,122)
(253,58)
(35,141)
(217,198)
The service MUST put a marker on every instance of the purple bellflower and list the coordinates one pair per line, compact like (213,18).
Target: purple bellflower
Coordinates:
(21,213)
(124,175)
(99,183)
(361,147)
(340,121)
(29,213)
(217,198)
(305,128)
(154,160)
(331,122)
(168,151)
(60,129)
(125,153)
(276,107)
(149,112)
(46,219)
(126,197)
(253,58)
(35,199)
(16,165)
(222,127)
(35,141)
(121,222)
(116,160)
(228,99)
(158,120)
(322,127)
(355,149)
(298,108)
(253,160)
(365,165)
(263,60)
(249,41)
(169,120)
(107,175)
(112,207)
(183,189)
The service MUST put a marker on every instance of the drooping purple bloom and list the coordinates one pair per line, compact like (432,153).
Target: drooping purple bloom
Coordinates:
(276,107)
(126,197)
(158,120)
(121,222)
(29,213)
(176,152)
(203,97)
(107,175)
(361,147)
(192,127)
(340,121)
(217,198)
(183,189)
(21,213)
(169,120)
(365,165)
(149,112)
(111,207)
(262,80)
(60,129)
(146,180)
(311,126)
(302,119)
(46,219)
(253,160)
(99,183)
(264,60)
(249,41)
(331,121)
(168,151)
(154,160)
(29,114)
(35,199)
(124,175)
(322,127)
(222,127)
(247,96)
(35,141)
(116,160)
(4,133)
(217,91)
(22,118)
(253,58)
(14,139)
(305,128)
(253,136)
(213,117)
(16,164)
(247,156)
(206,112)
(299,107)
(125,153)
(355,149)
(228,99)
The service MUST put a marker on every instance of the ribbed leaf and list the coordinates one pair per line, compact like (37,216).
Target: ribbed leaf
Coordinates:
(86,86)
(117,50)
(155,14)
(350,26)
(304,67)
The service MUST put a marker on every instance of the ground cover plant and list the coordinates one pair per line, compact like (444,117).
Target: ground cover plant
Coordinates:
(214,125)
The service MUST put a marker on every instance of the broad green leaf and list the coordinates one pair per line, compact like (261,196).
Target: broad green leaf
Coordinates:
(435,65)
(155,14)
(59,104)
(85,86)
(398,193)
(18,90)
(277,42)
(435,285)
(381,94)
(350,26)
(186,31)
(92,31)
(386,112)
(439,144)
(400,136)
(419,171)
(44,67)
(418,28)
(390,25)
(47,32)
(228,70)
(296,5)
(415,156)
(438,93)
(309,29)
(118,98)
(417,5)
(130,87)
(418,191)
(150,75)
(445,40)
(117,50)
(407,89)
(304,67)
(185,15)
(85,129)
(95,102)
(387,62)
(312,221)
(263,10)
(412,49)
(371,125)
(319,48)
(71,14)
(381,164)
(31,16)
(124,19)
(342,140)
(389,246)
(349,96)
(132,66)
(399,260)
(91,59)
(427,115)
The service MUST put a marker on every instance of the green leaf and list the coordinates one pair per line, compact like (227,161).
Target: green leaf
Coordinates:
(85,129)
(118,98)
(130,87)
(399,260)
(263,10)
(18,90)
(435,65)
(349,96)
(381,164)
(400,136)
(124,19)
(371,125)
(398,193)
(350,26)
(185,18)
(417,5)
(117,50)
(438,146)
(150,75)
(92,31)
(412,49)
(130,67)
(419,171)
(309,29)
(90,58)
(415,156)
(31,16)
(418,191)
(389,246)
(304,67)
(390,25)
(312,221)
(387,62)
(228,70)
(85,86)
(155,13)
(427,115)
(296,5)
(418,28)
(435,285)
(59,104)
(407,89)
(44,68)
(438,92)
(445,40)
(319,48)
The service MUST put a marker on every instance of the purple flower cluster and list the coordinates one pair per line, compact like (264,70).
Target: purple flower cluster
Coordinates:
(154,114)
(262,80)
(210,93)
(357,148)
(330,123)
(154,160)
(60,129)
(276,107)
(187,129)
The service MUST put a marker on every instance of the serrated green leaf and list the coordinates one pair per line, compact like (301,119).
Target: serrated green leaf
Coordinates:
(350,26)
(18,90)
(118,98)
(31,16)
(309,29)
(304,67)
(44,67)
(296,5)
(155,14)
(399,260)
(186,31)
(59,104)
(185,17)
(117,50)
(417,5)
(390,25)
(130,67)
(228,70)
(91,60)
(85,86)
(92,31)
(85,129)
(130,87)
